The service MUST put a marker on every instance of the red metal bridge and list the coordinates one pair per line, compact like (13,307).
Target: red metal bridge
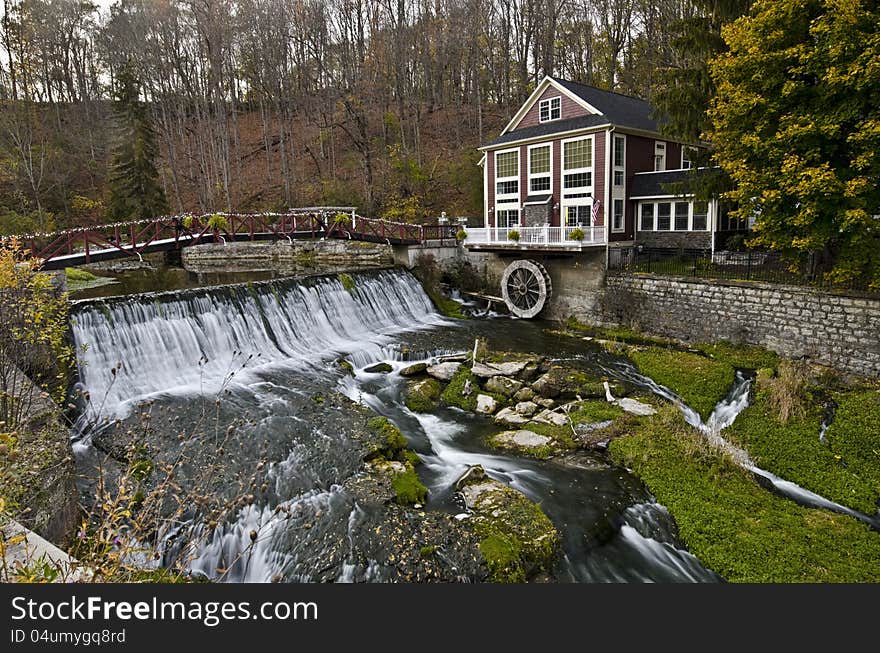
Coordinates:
(96,243)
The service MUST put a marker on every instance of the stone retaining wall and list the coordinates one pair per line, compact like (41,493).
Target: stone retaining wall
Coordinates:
(835,330)
(283,254)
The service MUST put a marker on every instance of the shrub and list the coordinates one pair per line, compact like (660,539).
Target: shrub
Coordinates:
(189,221)
(218,222)
(513,235)
(577,234)
(788,391)
(342,220)
(461,235)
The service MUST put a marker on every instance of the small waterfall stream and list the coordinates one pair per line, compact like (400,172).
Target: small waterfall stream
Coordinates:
(724,414)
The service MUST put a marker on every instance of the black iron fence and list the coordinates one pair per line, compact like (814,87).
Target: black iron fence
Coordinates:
(759,266)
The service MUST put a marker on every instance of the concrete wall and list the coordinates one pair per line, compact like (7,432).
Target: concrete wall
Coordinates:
(839,331)
(280,254)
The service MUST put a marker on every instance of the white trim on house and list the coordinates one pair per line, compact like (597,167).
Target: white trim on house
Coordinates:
(535,96)
(549,100)
(585,193)
(547,137)
(660,151)
(484,164)
(654,203)
(530,176)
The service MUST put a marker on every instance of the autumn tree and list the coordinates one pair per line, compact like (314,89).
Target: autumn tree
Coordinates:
(135,190)
(796,124)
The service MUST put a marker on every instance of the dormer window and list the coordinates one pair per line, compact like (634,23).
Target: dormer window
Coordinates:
(550,109)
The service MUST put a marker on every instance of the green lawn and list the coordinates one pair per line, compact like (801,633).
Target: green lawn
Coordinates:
(742,531)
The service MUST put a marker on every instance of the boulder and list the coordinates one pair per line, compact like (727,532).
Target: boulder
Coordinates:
(472,474)
(503,385)
(527,408)
(486,404)
(636,407)
(519,440)
(488,370)
(414,369)
(530,372)
(549,417)
(510,417)
(524,394)
(423,396)
(545,403)
(443,371)
(378,368)
(546,386)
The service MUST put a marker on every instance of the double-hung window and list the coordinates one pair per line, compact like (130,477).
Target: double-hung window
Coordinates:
(646,217)
(617,216)
(619,159)
(577,167)
(539,169)
(550,109)
(659,156)
(507,177)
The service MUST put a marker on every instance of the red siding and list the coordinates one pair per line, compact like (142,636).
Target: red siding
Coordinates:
(599,174)
(673,155)
(639,158)
(570,109)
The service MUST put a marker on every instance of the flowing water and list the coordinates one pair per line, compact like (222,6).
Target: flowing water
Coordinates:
(724,414)
(261,353)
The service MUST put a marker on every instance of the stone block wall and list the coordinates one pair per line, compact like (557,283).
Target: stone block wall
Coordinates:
(835,330)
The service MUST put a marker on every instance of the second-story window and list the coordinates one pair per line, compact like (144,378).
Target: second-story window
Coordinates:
(507,176)
(659,155)
(577,165)
(619,159)
(550,109)
(539,169)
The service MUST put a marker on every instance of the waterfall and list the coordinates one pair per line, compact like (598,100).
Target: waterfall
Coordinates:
(724,414)
(199,341)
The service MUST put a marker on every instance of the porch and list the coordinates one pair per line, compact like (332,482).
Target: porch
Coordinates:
(543,237)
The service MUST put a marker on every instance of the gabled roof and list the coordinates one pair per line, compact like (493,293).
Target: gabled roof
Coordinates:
(620,110)
(544,129)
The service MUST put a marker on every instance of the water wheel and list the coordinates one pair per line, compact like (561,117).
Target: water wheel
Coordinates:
(526,287)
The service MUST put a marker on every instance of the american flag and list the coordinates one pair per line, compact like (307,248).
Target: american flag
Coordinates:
(596,210)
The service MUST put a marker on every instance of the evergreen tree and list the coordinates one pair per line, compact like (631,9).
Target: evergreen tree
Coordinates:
(135,190)
(796,124)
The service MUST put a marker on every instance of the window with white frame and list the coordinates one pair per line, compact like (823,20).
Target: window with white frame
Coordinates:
(646,216)
(578,215)
(507,218)
(682,216)
(687,157)
(659,155)
(617,219)
(673,216)
(619,159)
(577,165)
(550,109)
(507,176)
(539,169)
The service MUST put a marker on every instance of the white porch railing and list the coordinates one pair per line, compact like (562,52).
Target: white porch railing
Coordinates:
(534,236)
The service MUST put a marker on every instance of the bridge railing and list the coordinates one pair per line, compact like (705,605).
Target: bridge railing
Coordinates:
(134,238)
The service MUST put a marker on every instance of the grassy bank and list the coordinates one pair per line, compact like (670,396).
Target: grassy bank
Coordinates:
(702,382)
(845,470)
(734,526)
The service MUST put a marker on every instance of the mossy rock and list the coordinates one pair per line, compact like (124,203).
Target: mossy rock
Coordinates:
(347,281)
(408,489)
(379,368)
(517,539)
(391,442)
(525,442)
(423,396)
(454,394)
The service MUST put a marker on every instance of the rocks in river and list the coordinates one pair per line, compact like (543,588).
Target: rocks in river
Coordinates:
(550,417)
(379,368)
(423,396)
(636,407)
(510,417)
(488,370)
(530,372)
(414,369)
(443,371)
(503,385)
(486,404)
(472,474)
(519,440)
(524,394)
(546,386)
(527,408)
(545,402)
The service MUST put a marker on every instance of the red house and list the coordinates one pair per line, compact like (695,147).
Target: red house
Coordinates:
(580,167)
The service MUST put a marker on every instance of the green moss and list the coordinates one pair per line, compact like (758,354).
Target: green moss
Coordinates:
(454,395)
(346,281)
(616,334)
(422,397)
(408,489)
(742,531)
(502,556)
(347,366)
(700,381)
(427,551)
(391,441)
(411,457)
(586,412)
(379,368)
(77,274)
(741,356)
(516,538)
(794,452)
(445,306)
